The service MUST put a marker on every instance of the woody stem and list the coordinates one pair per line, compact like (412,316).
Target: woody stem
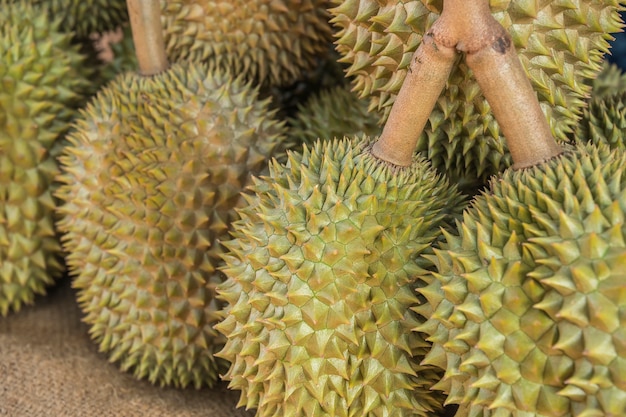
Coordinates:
(145,23)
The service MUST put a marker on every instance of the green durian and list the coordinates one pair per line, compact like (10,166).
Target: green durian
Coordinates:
(526,307)
(155,166)
(320,280)
(334,112)
(560,44)
(610,81)
(86,17)
(604,118)
(272,42)
(42,83)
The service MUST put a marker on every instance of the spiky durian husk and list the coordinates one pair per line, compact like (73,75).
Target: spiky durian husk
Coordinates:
(320,281)
(604,118)
(610,81)
(334,112)
(527,306)
(41,84)
(85,17)
(559,43)
(270,41)
(604,121)
(155,167)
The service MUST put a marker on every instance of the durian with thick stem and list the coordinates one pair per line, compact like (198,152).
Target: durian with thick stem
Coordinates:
(156,164)
(525,309)
(560,44)
(321,279)
(42,84)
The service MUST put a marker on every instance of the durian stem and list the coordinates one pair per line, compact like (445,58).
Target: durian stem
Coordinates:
(467,26)
(427,76)
(145,23)
(505,85)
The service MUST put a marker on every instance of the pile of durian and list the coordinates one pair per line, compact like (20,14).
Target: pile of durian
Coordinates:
(355,208)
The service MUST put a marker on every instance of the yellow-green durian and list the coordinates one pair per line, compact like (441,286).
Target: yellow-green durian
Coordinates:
(321,275)
(154,169)
(272,42)
(560,44)
(86,17)
(334,112)
(604,118)
(526,309)
(41,84)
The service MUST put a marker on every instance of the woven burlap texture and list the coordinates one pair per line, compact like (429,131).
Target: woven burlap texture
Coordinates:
(50,368)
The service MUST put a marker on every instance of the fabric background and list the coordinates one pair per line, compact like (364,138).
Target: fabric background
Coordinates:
(49,367)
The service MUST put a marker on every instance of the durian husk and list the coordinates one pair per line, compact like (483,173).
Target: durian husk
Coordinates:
(320,280)
(560,44)
(604,118)
(332,113)
(42,83)
(525,309)
(154,170)
(86,17)
(272,42)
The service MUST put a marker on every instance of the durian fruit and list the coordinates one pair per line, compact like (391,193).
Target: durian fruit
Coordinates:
(604,118)
(610,81)
(334,112)
(526,311)
(153,172)
(156,164)
(272,42)
(321,275)
(86,17)
(604,121)
(560,44)
(41,84)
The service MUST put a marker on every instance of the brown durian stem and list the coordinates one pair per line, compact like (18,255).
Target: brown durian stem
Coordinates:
(145,23)
(428,72)
(468,26)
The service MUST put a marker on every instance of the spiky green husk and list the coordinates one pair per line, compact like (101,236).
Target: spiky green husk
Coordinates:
(604,121)
(559,43)
(270,41)
(155,167)
(610,81)
(334,112)
(526,311)
(41,85)
(604,118)
(85,17)
(320,281)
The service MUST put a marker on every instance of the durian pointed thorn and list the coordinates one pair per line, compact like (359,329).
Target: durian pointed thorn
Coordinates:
(145,23)
(428,73)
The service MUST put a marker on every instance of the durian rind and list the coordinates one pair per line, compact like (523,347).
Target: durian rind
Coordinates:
(526,308)
(320,280)
(86,17)
(559,43)
(334,112)
(604,117)
(41,85)
(155,167)
(273,42)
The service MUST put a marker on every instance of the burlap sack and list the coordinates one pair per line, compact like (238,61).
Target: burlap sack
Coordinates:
(50,368)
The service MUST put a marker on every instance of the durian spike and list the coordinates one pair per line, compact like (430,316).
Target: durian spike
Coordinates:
(467,26)
(145,23)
